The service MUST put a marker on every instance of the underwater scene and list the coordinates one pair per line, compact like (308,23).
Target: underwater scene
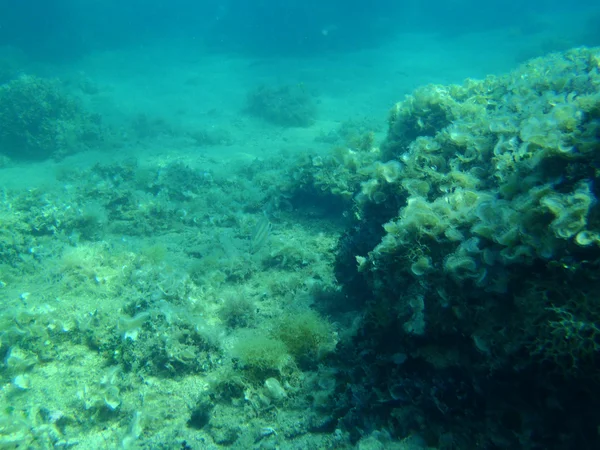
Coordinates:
(301,224)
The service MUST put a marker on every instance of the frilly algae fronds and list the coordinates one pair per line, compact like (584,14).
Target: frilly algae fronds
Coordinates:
(503,158)
(476,232)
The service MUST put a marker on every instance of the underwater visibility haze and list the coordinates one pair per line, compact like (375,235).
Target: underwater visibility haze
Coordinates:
(299,225)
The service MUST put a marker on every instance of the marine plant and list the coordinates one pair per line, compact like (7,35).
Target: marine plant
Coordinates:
(475,239)
(259,352)
(288,105)
(39,120)
(307,336)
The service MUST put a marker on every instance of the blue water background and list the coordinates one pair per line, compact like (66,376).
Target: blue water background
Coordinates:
(66,29)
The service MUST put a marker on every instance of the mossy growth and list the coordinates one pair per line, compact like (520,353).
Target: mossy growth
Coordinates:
(154,254)
(259,353)
(38,120)
(237,311)
(560,325)
(572,342)
(289,105)
(297,339)
(307,336)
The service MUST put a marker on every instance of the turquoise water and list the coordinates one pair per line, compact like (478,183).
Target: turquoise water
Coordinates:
(299,225)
